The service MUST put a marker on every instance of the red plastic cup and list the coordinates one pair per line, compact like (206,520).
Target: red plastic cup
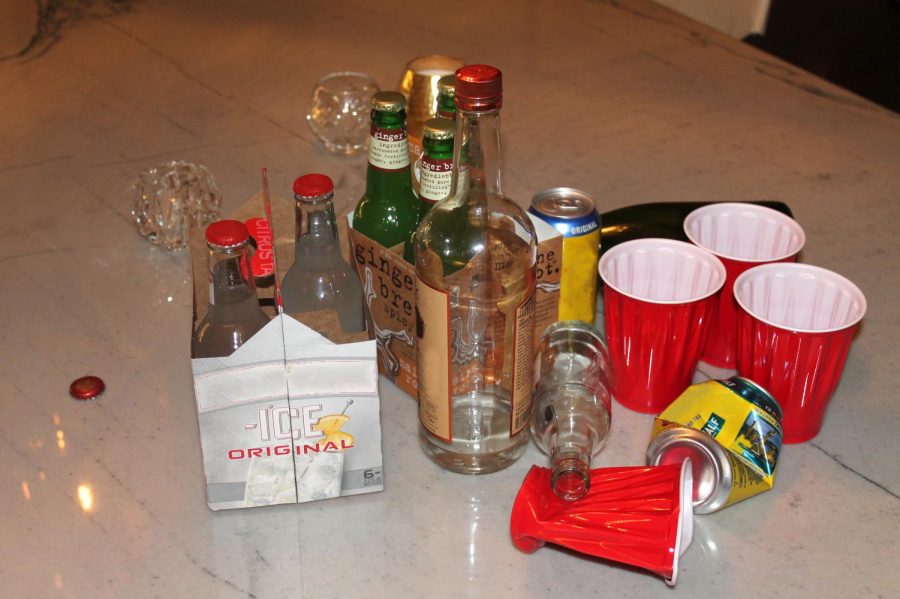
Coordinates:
(641,516)
(659,297)
(741,236)
(795,326)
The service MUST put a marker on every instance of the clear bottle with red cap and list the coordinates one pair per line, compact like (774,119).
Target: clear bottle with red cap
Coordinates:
(320,279)
(233,314)
(475,266)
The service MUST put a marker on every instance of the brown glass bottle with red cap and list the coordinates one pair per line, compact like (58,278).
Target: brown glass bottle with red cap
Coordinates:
(233,314)
(475,257)
(320,279)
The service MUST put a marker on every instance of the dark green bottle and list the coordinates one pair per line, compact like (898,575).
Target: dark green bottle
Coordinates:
(446,107)
(388,212)
(436,171)
(656,219)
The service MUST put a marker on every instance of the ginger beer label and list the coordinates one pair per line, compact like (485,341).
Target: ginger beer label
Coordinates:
(436,176)
(388,149)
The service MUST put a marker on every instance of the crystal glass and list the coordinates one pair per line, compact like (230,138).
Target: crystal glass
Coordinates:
(339,111)
(170,199)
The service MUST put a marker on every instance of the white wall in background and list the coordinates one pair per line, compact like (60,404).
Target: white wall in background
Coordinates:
(737,18)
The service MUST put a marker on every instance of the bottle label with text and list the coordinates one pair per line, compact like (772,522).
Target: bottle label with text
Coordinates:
(433,351)
(523,354)
(436,177)
(388,149)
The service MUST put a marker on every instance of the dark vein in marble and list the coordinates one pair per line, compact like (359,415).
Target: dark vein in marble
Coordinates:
(27,459)
(15,167)
(783,74)
(838,461)
(49,251)
(52,481)
(816,90)
(660,59)
(55,15)
(639,13)
(102,201)
(168,154)
(702,39)
(214,576)
(163,155)
(179,125)
(190,77)
(150,514)
(261,558)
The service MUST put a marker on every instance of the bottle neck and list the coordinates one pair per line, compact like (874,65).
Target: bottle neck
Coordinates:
(436,170)
(446,108)
(438,149)
(230,278)
(477,153)
(316,224)
(570,475)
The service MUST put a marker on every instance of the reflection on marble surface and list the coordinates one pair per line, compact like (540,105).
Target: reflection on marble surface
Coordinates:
(624,99)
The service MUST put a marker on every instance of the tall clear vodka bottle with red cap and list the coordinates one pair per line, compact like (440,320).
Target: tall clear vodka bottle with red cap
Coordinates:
(320,278)
(475,267)
(233,314)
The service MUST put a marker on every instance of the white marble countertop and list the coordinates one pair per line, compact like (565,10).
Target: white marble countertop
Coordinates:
(623,99)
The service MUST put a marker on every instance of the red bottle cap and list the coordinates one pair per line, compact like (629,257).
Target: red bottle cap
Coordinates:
(227,233)
(87,388)
(313,185)
(479,87)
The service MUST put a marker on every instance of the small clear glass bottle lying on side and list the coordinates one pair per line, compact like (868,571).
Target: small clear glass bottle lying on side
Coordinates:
(571,414)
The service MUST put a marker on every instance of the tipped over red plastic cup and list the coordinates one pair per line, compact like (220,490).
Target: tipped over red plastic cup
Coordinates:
(795,326)
(659,297)
(741,236)
(638,515)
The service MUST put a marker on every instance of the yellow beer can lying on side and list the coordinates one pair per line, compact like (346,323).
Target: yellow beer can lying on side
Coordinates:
(730,430)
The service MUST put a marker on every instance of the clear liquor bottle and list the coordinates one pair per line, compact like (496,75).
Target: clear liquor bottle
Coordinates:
(436,168)
(233,314)
(475,268)
(320,278)
(388,212)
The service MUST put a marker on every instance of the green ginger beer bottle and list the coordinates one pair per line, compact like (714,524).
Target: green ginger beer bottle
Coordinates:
(388,212)
(436,171)
(446,107)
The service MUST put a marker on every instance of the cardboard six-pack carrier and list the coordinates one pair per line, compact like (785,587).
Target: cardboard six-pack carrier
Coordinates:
(293,414)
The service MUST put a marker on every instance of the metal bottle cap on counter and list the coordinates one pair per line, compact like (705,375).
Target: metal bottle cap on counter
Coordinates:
(87,388)
(713,474)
